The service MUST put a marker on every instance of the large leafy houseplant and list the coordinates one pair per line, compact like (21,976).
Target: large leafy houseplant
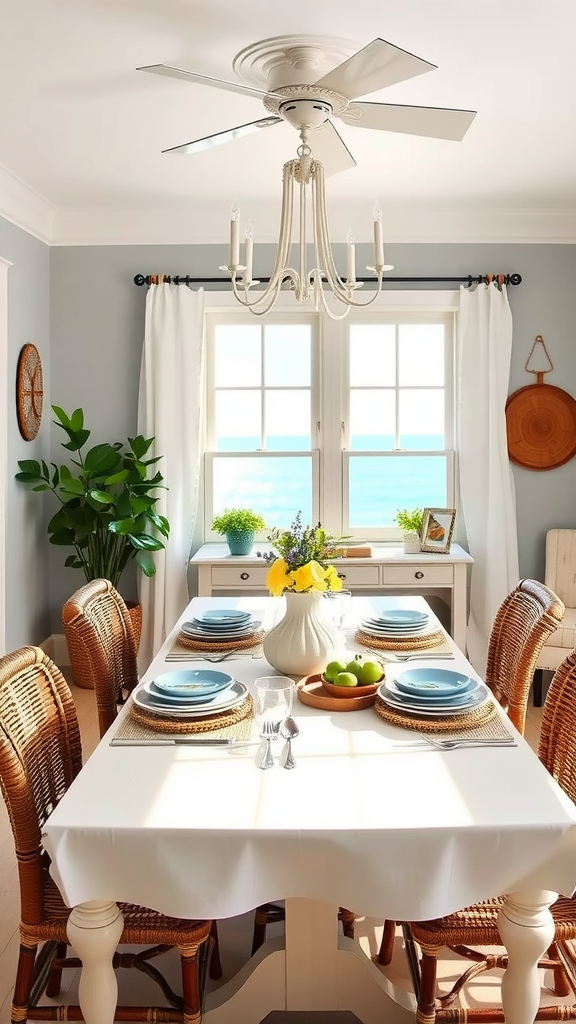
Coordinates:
(107,502)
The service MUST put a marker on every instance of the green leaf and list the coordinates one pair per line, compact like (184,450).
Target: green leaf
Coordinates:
(140,445)
(69,484)
(101,460)
(101,497)
(64,419)
(121,526)
(77,420)
(29,466)
(146,542)
(146,563)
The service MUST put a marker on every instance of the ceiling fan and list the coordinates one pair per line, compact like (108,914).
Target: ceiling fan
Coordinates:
(297,88)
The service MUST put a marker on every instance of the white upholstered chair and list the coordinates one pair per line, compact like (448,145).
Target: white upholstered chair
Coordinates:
(561,578)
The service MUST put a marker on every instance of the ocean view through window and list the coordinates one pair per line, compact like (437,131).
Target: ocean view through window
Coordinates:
(347,422)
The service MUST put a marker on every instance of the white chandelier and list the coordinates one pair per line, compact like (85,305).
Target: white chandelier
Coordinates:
(308,175)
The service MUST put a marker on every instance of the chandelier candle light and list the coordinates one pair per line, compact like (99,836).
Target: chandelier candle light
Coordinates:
(308,174)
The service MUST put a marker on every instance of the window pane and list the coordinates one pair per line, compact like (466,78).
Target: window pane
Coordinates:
(287,421)
(276,488)
(237,421)
(421,354)
(421,419)
(372,354)
(379,486)
(237,356)
(372,415)
(287,355)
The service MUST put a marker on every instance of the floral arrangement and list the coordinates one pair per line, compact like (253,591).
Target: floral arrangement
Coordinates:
(300,565)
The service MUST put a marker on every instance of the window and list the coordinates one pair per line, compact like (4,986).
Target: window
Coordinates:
(346,421)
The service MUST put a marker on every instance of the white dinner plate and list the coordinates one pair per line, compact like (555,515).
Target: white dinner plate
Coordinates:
(220,635)
(223,701)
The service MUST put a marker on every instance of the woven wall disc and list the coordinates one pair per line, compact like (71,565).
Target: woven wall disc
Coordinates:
(221,645)
(541,426)
(411,643)
(447,723)
(191,725)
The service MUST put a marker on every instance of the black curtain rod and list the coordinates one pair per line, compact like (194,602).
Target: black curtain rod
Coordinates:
(141,279)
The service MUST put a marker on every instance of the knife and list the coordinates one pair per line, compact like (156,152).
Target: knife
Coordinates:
(191,741)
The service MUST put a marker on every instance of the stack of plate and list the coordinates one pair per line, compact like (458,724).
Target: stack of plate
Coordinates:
(433,692)
(190,693)
(221,625)
(402,624)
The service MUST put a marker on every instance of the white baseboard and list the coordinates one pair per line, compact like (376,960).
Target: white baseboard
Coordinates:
(56,648)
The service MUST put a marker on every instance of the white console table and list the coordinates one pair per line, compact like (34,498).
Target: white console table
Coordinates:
(388,570)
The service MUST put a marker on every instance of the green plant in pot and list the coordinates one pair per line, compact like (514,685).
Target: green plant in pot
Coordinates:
(106,500)
(411,523)
(239,526)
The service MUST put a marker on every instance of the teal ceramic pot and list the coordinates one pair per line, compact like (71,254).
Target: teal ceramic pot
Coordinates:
(240,541)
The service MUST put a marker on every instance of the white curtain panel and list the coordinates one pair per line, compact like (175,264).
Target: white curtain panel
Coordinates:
(170,408)
(486,483)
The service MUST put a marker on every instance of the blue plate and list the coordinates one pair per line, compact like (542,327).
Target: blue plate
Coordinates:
(222,616)
(402,617)
(196,682)
(433,682)
(181,699)
(435,699)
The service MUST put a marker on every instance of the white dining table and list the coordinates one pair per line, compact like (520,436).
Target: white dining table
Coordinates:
(372,819)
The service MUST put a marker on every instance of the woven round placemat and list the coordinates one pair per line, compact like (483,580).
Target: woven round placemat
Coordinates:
(221,645)
(447,723)
(408,643)
(204,724)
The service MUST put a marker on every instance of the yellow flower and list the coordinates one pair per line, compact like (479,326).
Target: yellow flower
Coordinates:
(277,579)
(309,577)
(332,578)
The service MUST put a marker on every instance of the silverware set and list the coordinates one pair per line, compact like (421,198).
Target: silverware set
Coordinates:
(467,741)
(269,732)
(214,658)
(409,656)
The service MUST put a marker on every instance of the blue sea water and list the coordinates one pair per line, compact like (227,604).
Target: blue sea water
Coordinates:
(378,486)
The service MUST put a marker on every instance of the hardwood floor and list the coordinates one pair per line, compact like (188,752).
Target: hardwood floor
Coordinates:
(235,935)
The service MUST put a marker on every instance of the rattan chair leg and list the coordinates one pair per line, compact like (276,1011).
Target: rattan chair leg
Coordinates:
(348,922)
(426,1010)
(561,986)
(23,984)
(192,1012)
(386,950)
(261,918)
(55,979)
(215,968)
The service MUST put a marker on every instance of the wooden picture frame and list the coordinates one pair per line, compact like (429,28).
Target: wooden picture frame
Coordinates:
(437,528)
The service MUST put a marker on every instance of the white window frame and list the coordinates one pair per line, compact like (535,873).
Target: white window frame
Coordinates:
(329,386)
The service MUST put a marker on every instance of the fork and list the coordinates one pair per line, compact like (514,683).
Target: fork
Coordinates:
(469,741)
(268,732)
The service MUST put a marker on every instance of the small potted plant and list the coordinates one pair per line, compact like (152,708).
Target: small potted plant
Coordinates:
(239,526)
(411,524)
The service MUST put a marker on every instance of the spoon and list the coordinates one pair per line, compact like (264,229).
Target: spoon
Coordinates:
(289,730)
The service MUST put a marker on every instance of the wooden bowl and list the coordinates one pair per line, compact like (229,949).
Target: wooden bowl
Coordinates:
(350,691)
(310,690)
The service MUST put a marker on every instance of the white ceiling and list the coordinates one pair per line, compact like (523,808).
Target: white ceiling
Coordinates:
(81,131)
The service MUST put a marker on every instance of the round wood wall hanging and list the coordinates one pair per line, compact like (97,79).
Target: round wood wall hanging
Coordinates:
(29,392)
(541,424)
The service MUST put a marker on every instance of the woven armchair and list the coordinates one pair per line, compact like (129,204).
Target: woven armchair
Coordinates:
(523,623)
(478,925)
(40,755)
(99,629)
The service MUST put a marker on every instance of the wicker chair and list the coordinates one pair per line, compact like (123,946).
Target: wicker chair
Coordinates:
(40,755)
(560,576)
(523,623)
(477,925)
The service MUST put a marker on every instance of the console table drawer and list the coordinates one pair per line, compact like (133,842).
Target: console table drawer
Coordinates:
(418,575)
(358,575)
(242,576)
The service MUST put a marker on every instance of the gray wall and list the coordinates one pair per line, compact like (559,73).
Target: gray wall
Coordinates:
(97,327)
(28,592)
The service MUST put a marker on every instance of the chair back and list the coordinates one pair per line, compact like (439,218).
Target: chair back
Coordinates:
(525,620)
(557,746)
(40,755)
(560,573)
(96,620)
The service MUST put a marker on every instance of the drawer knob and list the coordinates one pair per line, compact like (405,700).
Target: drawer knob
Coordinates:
(341,575)
(244,575)
(419,575)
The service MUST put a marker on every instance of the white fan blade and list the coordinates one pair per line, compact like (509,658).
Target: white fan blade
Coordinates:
(216,83)
(330,149)
(232,133)
(434,122)
(374,67)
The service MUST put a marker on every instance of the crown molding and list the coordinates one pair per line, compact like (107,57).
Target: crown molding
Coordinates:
(24,207)
(208,224)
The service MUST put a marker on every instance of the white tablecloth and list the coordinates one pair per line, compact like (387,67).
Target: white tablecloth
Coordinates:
(366,820)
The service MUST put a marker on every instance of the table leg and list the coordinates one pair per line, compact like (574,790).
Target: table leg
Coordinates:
(94,930)
(527,929)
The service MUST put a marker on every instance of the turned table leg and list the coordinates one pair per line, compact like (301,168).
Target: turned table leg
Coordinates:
(527,929)
(94,930)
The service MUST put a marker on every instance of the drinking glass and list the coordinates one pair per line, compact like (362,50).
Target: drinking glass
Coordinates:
(274,696)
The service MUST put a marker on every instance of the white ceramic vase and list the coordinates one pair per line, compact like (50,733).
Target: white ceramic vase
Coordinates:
(305,639)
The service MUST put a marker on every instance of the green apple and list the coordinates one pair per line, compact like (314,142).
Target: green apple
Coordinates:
(355,667)
(370,672)
(332,669)
(346,679)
